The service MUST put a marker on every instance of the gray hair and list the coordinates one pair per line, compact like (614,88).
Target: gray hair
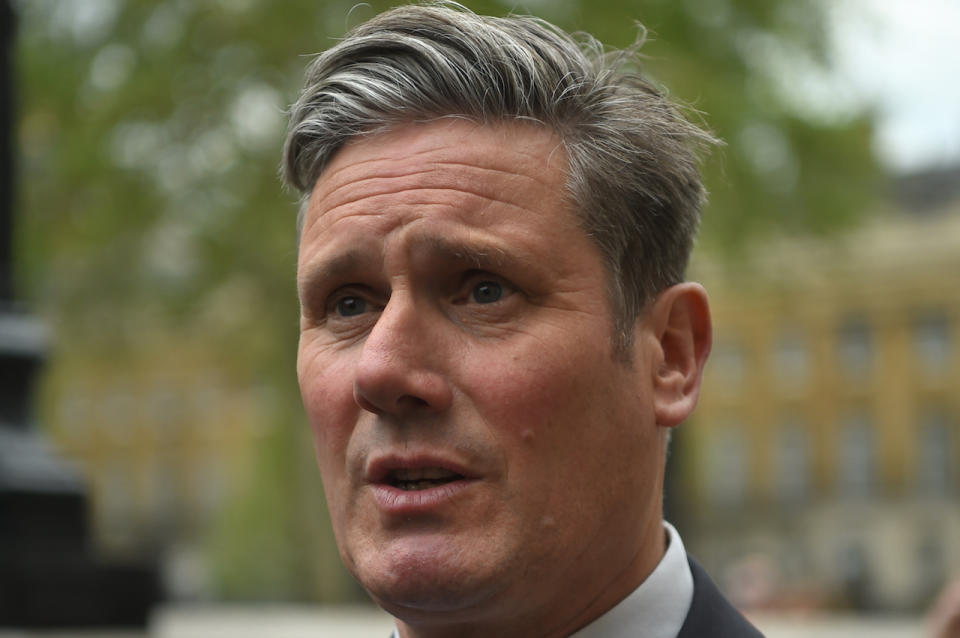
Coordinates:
(633,172)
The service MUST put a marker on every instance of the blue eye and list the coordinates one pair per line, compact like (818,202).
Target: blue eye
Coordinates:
(351,306)
(487,292)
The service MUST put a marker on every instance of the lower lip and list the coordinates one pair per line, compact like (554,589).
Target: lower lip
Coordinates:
(397,502)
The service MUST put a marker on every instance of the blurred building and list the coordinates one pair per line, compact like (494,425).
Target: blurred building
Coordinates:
(822,469)
(164,438)
(823,466)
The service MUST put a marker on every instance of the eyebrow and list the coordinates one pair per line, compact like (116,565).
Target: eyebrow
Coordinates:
(334,267)
(479,254)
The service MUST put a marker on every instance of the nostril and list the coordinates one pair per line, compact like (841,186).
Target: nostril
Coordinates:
(410,401)
(399,388)
(404,403)
(366,404)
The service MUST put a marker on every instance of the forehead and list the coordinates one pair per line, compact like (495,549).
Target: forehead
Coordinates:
(450,171)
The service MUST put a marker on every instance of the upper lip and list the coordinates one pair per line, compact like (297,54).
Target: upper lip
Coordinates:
(380,469)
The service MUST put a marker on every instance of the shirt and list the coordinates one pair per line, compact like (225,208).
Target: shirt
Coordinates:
(656,608)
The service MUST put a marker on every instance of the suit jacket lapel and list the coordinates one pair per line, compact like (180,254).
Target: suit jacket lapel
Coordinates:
(711,615)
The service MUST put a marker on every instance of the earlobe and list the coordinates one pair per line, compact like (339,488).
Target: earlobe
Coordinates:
(680,319)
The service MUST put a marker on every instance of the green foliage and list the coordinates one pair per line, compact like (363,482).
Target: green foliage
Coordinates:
(742,65)
(275,541)
(150,137)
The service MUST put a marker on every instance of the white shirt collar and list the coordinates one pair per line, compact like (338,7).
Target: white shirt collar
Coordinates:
(655,609)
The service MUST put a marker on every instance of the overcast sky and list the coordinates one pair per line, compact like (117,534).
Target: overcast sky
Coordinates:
(903,56)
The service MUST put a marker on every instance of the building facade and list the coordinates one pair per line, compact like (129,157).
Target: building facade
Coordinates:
(823,464)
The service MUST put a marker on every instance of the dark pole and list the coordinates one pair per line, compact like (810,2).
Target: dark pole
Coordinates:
(22,344)
(7,27)
(48,574)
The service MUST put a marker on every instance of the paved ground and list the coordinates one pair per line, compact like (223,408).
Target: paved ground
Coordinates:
(362,622)
(275,622)
(841,627)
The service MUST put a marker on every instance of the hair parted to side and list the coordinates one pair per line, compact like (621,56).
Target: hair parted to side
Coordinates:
(633,174)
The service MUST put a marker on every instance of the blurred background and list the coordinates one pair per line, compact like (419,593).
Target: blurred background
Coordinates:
(154,242)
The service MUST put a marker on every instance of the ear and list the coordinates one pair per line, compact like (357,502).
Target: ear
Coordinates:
(680,323)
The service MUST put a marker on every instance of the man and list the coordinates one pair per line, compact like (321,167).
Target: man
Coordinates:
(496,337)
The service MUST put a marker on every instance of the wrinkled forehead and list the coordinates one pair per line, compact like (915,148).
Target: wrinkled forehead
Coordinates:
(441,161)
(500,131)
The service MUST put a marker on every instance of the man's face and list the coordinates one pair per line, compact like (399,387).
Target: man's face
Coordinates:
(483,448)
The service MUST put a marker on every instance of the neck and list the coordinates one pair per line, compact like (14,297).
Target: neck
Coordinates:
(606,591)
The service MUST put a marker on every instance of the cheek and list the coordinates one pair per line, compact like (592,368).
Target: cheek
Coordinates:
(537,393)
(326,388)
(553,408)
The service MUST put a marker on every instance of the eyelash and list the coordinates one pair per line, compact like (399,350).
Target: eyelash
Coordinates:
(346,292)
(464,294)
(474,279)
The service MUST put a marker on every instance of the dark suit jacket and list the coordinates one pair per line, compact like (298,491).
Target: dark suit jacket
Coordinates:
(710,615)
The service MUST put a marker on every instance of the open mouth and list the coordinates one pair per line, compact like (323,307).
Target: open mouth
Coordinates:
(421,478)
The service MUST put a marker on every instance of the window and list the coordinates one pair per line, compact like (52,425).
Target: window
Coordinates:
(793,443)
(935,451)
(728,363)
(856,348)
(857,456)
(792,362)
(727,463)
(932,343)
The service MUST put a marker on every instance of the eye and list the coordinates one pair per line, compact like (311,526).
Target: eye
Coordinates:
(487,292)
(351,306)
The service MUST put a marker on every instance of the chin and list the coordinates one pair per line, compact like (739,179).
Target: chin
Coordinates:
(426,575)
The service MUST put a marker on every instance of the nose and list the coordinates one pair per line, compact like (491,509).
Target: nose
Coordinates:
(400,370)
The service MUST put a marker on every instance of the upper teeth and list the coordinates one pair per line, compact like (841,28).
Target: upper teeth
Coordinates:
(420,474)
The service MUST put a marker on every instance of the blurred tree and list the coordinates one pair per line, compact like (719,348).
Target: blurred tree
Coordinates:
(150,209)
